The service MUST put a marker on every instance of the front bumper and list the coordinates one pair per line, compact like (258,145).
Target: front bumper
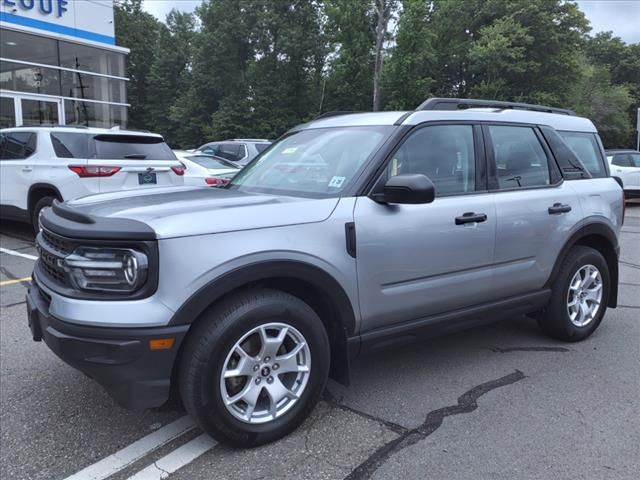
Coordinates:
(118,358)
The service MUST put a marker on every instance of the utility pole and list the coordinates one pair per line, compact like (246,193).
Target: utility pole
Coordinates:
(638,131)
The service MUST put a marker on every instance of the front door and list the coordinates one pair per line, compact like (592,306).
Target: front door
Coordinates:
(414,261)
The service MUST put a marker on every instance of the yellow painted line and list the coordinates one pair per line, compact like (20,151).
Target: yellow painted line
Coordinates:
(4,283)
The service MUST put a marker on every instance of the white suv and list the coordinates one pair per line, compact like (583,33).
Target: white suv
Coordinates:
(40,164)
(625,164)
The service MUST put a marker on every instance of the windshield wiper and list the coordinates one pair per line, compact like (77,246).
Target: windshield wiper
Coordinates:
(136,156)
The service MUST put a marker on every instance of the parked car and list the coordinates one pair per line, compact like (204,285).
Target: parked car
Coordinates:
(202,169)
(40,164)
(238,150)
(625,164)
(387,227)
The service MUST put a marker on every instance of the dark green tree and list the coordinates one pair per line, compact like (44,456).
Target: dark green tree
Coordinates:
(138,31)
(169,74)
(409,72)
(620,65)
(351,63)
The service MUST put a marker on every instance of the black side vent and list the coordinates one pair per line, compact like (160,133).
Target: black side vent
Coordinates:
(350,233)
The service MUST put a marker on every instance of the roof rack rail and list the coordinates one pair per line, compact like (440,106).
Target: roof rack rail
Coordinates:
(461,103)
(50,125)
(335,114)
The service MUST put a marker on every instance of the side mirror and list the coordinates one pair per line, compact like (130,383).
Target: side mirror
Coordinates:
(412,188)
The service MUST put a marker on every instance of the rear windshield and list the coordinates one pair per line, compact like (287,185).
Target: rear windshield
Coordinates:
(587,149)
(211,162)
(626,159)
(132,147)
(110,147)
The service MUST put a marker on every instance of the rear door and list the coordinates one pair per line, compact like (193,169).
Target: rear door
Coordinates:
(134,161)
(16,167)
(536,210)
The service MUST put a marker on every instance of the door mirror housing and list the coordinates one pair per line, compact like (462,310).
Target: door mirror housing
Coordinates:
(414,188)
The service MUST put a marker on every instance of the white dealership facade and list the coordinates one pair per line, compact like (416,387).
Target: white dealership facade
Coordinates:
(59,64)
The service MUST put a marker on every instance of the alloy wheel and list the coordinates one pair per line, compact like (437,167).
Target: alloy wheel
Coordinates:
(265,373)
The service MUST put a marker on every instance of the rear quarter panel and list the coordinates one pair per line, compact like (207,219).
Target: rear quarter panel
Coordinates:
(601,201)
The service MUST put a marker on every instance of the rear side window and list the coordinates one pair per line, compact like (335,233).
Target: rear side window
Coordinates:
(586,148)
(520,159)
(231,151)
(17,145)
(70,145)
(131,147)
(626,160)
(261,147)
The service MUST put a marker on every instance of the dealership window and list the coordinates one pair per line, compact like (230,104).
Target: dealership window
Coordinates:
(86,86)
(29,48)
(92,114)
(60,71)
(82,57)
(25,78)
(7,113)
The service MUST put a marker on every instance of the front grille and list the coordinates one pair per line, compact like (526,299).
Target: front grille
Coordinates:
(61,244)
(52,249)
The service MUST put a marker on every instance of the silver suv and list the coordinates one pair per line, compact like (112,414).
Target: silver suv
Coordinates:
(239,150)
(352,233)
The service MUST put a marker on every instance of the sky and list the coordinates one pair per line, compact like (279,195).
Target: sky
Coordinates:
(620,16)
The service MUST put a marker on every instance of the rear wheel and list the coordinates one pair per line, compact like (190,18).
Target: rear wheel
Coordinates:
(254,367)
(579,296)
(40,205)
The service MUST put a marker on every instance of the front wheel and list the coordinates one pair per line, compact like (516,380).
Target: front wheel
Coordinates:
(579,296)
(254,367)
(44,202)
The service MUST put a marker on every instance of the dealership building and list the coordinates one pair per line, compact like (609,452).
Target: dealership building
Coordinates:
(59,64)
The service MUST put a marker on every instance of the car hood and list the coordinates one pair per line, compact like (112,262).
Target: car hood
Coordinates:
(183,211)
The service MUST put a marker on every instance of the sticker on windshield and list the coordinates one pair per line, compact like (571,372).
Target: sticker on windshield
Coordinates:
(336,182)
(290,150)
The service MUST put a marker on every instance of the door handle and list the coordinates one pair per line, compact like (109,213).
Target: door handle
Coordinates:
(27,169)
(471,217)
(559,208)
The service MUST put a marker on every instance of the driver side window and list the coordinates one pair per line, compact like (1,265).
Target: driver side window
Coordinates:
(444,153)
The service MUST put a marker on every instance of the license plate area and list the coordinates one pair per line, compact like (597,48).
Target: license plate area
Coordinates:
(147,178)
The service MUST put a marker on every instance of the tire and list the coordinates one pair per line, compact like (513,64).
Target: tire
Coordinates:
(556,319)
(209,349)
(44,202)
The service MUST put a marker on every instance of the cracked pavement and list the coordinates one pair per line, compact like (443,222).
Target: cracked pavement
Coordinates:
(496,402)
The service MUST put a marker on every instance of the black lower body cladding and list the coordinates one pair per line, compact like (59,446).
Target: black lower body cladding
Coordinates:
(120,359)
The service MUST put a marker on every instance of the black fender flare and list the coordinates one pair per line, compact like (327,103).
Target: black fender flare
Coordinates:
(598,229)
(263,271)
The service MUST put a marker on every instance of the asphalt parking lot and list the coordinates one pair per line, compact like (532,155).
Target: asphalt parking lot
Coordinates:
(498,402)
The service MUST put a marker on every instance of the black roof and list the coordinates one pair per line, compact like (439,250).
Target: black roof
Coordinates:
(621,150)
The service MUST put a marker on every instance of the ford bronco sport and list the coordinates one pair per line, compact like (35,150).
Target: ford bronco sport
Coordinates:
(352,233)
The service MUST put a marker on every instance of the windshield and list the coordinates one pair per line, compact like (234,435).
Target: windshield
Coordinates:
(211,162)
(318,162)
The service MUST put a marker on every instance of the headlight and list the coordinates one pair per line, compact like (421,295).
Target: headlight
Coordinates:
(107,269)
